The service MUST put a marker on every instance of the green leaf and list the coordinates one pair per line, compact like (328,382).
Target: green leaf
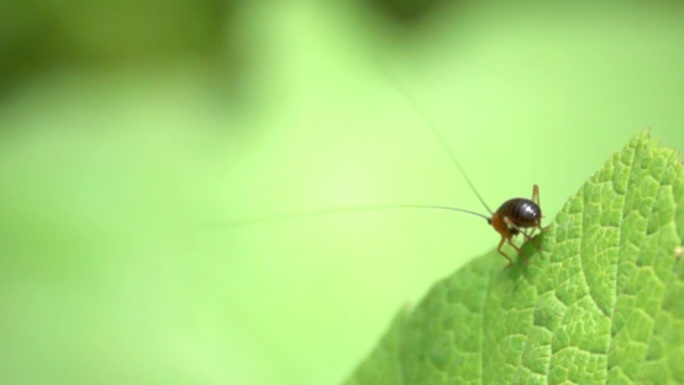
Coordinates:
(604,303)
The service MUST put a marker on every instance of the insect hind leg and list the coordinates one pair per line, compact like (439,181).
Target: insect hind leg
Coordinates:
(535,199)
(535,194)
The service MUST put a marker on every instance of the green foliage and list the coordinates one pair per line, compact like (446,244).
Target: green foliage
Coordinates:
(604,303)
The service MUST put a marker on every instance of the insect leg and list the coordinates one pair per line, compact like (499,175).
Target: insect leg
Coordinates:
(503,239)
(510,242)
(535,199)
(532,241)
(509,223)
(522,231)
(529,235)
(535,194)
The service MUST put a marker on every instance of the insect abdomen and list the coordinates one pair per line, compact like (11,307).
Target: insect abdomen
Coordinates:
(522,212)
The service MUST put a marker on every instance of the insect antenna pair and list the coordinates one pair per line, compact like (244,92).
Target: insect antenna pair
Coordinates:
(513,217)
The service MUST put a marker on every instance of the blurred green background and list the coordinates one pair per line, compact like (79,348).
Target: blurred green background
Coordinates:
(127,126)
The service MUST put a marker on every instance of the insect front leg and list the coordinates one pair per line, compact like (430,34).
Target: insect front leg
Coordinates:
(519,230)
(512,227)
(503,239)
(501,225)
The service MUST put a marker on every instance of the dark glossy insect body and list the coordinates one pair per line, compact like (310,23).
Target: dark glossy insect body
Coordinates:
(516,216)
(522,212)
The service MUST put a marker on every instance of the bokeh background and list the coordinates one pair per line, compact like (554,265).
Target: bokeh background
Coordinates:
(133,133)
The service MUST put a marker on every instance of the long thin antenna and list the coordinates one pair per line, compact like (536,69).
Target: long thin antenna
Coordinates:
(224,225)
(435,131)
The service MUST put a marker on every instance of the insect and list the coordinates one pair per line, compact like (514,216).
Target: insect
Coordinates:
(513,217)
